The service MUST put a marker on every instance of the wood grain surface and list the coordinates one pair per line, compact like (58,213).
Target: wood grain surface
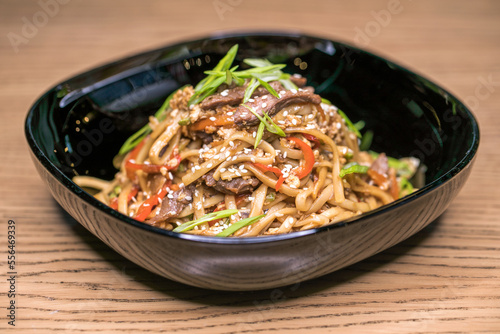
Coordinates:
(445,279)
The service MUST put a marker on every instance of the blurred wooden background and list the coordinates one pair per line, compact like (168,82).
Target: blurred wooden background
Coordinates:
(445,279)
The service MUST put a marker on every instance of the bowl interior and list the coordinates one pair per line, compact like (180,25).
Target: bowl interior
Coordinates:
(78,126)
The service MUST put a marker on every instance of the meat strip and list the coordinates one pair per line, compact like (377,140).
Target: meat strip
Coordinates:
(234,96)
(171,207)
(271,105)
(299,81)
(234,187)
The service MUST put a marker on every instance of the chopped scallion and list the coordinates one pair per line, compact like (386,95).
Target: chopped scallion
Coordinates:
(205,218)
(238,225)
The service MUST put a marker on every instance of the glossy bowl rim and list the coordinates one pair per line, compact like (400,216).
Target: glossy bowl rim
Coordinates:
(88,198)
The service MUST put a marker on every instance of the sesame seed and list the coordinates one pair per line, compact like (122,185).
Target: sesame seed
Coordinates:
(238,173)
(242,167)
(284,155)
(251,100)
(222,170)
(212,119)
(264,105)
(294,121)
(224,93)
(244,170)
(282,92)
(285,113)
(264,97)
(252,159)
(230,113)
(294,91)
(209,165)
(231,143)
(254,134)
(170,196)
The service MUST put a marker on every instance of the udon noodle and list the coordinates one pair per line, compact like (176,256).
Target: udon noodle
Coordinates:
(277,160)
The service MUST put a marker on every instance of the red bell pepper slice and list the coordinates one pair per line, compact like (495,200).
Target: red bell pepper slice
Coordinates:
(148,205)
(312,139)
(274,170)
(307,167)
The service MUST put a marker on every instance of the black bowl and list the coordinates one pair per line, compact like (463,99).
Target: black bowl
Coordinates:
(78,126)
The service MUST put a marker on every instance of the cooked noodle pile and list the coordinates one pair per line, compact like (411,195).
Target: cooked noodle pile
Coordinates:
(263,164)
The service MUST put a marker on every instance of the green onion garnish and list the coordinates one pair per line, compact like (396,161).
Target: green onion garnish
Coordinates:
(203,219)
(185,121)
(270,126)
(349,124)
(260,133)
(353,167)
(366,141)
(238,225)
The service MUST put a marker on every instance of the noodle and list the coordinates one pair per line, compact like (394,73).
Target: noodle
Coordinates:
(213,164)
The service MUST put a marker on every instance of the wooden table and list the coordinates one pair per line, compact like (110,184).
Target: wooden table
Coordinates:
(445,279)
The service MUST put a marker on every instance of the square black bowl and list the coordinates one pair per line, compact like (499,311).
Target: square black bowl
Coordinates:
(78,126)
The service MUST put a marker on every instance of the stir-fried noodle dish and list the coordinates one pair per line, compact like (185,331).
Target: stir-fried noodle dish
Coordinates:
(250,152)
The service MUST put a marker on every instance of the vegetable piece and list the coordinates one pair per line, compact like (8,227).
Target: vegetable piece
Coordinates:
(394,188)
(220,120)
(238,225)
(349,124)
(205,218)
(405,187)
(366,141)
(270,197)
(353,167)
(260,133)
(274,170)
(114,203)
(270,126)
(210,84)
(308,165)
(252,86)
(185,121)
(239,199)
(312,139)
(378,178)
(148,205)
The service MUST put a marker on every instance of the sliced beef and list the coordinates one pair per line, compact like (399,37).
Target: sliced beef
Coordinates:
(171,207)
(298,80)
(234,187)
(271,105)
(205,137)
(231,97)
(234,96)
